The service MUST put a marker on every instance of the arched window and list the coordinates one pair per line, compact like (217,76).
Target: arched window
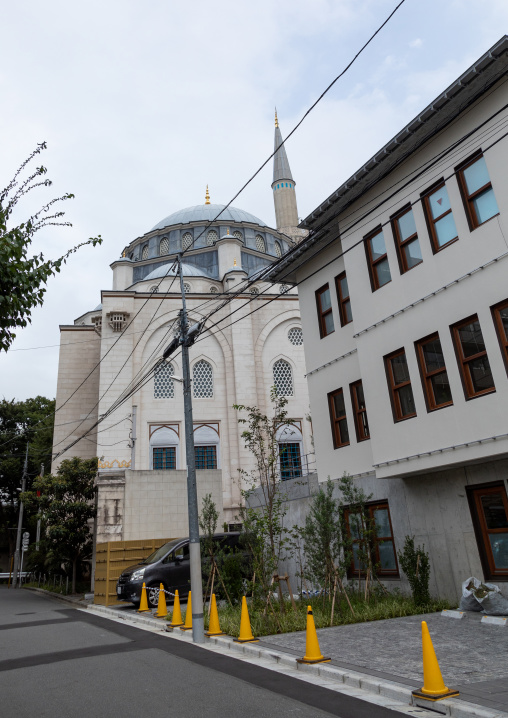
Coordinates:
(164,447)
(163,385)
(186,287)
(290,444)
(164,246)
(295,336)
(154,289)
(211,237)
(187,241)
(284,288)
(213,290)
(237,234)
(206,446)
(254,290)
(260,243)
(202,380)
(283,378)
(278,249)
(144,252)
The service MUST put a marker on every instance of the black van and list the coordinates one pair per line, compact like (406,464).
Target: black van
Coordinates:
(168,565)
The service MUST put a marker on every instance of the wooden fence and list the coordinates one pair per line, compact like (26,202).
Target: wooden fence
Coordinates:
(114,557)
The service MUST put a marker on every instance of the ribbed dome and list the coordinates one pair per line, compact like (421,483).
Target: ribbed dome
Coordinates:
(166,270)
(206,213)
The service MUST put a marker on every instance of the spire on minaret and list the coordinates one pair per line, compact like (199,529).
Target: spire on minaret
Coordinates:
(283,186)
(207,196)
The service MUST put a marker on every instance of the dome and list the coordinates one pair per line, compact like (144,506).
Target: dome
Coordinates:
(166,270)
(207,213)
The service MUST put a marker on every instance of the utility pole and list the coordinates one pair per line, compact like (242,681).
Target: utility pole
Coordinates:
(20,524)
(185,340)
(38,532)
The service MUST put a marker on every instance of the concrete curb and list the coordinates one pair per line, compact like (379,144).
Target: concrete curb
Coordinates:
(58,596)
(352,679)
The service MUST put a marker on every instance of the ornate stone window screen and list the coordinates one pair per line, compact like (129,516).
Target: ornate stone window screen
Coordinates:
(283,378)
(213,290)
(186,287)
(202,380)
(164,246)
(117,320)
(237,234)
(211,237)
(284,288)
(144,252)
(278,249)
(154,289)
(254,290)
(163,384)
(295,336)
(260,243)
(97,323)
(187,241)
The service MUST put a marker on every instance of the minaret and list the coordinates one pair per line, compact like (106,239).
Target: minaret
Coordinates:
(284,194)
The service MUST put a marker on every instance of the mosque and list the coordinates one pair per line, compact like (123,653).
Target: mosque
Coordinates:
(253,342)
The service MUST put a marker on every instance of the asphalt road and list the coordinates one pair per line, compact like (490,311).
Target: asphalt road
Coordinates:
(61,661)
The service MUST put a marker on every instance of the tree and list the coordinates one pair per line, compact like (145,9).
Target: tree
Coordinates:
(416,565)
(23,278)
(21,422)
(66,504)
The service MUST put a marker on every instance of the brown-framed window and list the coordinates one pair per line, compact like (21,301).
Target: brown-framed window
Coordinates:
(377,259)
(345,313)
(489,509)
(406,239)
(378,525)
(359,411)
(477,191)
(439,216)
(324,310)
(436,386)
(340,431)
(500,315)
(472,358)
(399,384)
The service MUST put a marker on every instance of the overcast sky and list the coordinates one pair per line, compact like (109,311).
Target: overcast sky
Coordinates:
(143,104)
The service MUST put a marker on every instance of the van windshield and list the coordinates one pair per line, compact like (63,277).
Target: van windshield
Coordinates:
(161,552)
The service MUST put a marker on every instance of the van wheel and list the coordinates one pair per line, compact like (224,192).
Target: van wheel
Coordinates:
(152,596)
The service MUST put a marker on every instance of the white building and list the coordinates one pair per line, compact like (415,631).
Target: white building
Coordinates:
(403,285)
(253,342)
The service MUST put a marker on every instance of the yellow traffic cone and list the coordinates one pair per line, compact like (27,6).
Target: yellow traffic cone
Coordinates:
(312,651)
(188,615)
(245,629)
(433,688)
(143,606)
(176,619)
(213,626)
(162,610)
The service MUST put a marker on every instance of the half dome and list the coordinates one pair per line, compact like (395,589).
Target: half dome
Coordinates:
(207,213)
(166,270)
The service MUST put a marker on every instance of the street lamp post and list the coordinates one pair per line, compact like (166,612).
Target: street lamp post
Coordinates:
(20,524)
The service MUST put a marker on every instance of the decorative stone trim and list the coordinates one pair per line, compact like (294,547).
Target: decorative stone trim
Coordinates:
(117,320)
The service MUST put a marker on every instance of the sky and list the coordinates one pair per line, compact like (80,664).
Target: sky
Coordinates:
(144,104)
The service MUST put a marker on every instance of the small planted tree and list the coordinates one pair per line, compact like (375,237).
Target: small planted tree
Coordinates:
(66,505)
(415,564)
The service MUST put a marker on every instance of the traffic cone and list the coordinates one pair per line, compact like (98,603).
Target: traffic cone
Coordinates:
(433,688)
(176,619)
(245,629)
(312,651)
(162,610)
(213,626)
(143,606)
(188,615)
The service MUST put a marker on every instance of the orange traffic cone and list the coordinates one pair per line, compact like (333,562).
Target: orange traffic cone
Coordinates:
(188,615)
(312,651)
(176,619)
(162,610)
(433,688)
(143,606)
(213,626)
(245,629)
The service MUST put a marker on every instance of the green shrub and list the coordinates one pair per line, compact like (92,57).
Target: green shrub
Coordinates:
(416,565)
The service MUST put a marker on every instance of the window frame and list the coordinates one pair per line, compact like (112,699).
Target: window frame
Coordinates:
(431,222)
(290,462)
(400,243)
(394,388)
(165,450)
(500,331)
(463,362)
(371,262)
(343,301)
(467,198)
(338,443)
(426,375)
(383,573)
(321,314)
(482,532)
(357,412)
(212,448)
